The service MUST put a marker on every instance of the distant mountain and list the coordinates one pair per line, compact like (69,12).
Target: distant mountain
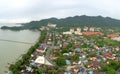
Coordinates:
(97,21)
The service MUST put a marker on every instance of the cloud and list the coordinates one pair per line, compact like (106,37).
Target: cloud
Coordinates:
(17,20)
(12,10)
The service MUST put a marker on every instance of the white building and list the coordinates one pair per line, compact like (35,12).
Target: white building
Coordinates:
(92,29)
(72,30)
(85,28)
(67,32)
(40,60)
(78,32)
(78,29)
(51,25)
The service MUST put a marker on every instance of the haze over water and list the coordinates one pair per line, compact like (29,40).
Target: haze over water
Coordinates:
(11,51)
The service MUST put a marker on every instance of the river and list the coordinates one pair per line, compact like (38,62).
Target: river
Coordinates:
(11,51)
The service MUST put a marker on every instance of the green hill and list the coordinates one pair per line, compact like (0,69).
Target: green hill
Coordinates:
(97,21)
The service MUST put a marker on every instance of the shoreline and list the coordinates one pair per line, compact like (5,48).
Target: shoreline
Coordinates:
(25,57)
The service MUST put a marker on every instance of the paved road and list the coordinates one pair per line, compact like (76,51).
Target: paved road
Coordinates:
(48,52)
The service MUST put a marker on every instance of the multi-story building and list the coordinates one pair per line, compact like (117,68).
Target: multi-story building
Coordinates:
(78,29)
(51,25)
(72,30)
(92,29)
(85,28)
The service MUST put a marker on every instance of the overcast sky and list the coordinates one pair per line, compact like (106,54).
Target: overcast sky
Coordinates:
(28,10)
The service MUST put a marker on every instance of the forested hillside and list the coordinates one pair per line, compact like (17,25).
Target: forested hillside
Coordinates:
(96,21)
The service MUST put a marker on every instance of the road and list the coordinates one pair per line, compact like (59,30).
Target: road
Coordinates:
(48,52)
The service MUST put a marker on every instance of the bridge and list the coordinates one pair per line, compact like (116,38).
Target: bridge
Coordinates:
(16,41)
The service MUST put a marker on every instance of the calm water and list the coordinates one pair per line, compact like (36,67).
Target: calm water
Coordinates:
(10,51)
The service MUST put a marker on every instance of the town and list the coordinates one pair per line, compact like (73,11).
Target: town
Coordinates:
(85,50)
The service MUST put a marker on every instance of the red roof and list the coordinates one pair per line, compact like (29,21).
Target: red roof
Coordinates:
(92,33)
(112,35)
(40,49)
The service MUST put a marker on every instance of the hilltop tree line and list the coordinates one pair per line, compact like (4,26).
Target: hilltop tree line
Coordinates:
(96,21)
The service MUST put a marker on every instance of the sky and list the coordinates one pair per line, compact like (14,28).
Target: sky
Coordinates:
(21,11)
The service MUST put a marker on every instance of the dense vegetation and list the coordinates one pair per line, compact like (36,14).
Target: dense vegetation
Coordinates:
(97,21)
(111,68)
(16,67)
(103,41)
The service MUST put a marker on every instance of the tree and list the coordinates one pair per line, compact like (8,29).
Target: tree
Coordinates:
(58,54)
(52,71)
(40,70)
(25,57)
(60,61)
(75,57)
(111,71)
(64,51)
(91,55)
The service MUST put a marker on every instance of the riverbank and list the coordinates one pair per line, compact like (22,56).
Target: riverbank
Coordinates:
(18,65)
(10,51)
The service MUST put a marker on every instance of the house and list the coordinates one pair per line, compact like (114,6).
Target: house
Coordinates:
(67,32)
(65,54)
(29,69)
(65,44)
(42,50)
(32,63)
(78,32)
(50,68)
(67,62)
(90,72)
(95,72)
(72,30)
(24,72)
(77,49)
(85,28)
(9,72)
(40,60)
(51,25)
(78,29)
(102,73)
(94,64)
(67,73)
(112,35)
(99,60)
(54,57)
(93,58)
(117,57)
(61,72)
(92,29)
(75,69)
(108,55)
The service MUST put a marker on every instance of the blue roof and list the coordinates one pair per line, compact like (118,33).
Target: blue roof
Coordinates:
(85,61)
(98,60)
(90,72)
(67,61)
(80,73)
(9,72)
(66,54)
(84,72)
(85,52)
(77,48)
(32,63)
(80,68)
(67,73)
